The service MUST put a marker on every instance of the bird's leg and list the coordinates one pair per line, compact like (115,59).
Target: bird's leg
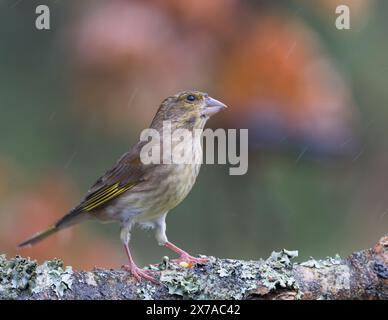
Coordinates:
(137,272)
(184,256)
(160,234)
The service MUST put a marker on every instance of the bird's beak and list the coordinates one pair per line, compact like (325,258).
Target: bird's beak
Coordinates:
(212,107)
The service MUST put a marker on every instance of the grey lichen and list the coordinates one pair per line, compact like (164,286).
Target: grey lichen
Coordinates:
(52,275)
(16,275)
(361,275)
(22,277)
(228,278)
(328,262)
(276,272)
(90,279)
(146,292)
(182,284)
(215,280)
(218,279)
(224,272)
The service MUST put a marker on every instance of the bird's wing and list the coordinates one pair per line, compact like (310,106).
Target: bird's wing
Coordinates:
(127,173)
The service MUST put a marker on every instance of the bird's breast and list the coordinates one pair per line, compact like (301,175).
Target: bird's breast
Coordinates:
(168,185)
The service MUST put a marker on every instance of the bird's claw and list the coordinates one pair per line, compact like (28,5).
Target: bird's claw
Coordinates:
(139,273)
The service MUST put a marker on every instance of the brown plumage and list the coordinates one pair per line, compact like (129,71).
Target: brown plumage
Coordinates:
(132,192)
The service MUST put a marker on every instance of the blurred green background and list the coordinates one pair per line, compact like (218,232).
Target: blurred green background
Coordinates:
(75,97)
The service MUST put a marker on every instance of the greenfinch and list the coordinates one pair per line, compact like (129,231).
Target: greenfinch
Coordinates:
(134,192)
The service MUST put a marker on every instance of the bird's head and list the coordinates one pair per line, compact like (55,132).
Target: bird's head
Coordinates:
(187,109)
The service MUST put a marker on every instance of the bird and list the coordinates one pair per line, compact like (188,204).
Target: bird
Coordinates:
(136,192)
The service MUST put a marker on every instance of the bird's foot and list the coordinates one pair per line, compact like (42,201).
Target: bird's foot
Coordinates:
(187,260)
(139,273)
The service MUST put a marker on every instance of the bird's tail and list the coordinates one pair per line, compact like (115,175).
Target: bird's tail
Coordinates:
(39,236)
(74,216)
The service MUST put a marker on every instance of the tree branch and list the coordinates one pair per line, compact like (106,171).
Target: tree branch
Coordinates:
(362,275)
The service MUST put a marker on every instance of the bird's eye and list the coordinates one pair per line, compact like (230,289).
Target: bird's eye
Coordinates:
(191,98)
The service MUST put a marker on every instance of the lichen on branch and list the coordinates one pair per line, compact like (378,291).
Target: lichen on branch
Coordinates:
(362,275)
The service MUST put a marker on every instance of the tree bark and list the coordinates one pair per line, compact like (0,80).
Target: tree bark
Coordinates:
(362,275)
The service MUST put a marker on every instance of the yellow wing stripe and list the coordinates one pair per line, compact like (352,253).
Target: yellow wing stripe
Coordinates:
(100,194)
(100,200)
(107,196)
